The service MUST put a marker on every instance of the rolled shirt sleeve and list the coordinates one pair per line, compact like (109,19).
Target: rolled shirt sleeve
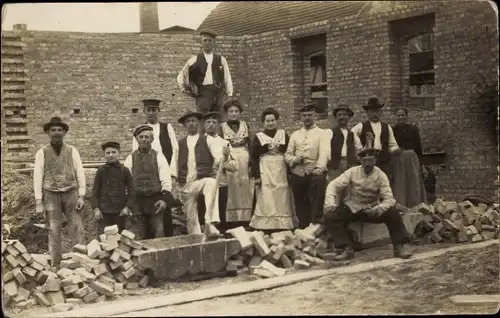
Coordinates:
(38,174)
(227,77)
(324,150)
(393,144)
(175,150)
(336,187)
(183,76)
(80,172)
(164,173)
(357,143)
(215,150)
(386,196)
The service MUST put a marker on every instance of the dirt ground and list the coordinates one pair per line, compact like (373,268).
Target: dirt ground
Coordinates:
(409,288)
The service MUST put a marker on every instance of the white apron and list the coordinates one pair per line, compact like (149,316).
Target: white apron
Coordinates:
(274,208)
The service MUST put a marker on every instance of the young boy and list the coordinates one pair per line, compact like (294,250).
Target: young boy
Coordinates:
(113,193)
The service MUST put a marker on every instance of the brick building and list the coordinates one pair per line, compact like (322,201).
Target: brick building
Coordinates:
(438,58)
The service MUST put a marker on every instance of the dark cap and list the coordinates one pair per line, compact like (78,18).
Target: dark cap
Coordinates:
(142,128)
(342,107)
(233,102)
(308,107)
(212,115)
(208,32)
(112,144)
(189,114)
(151,102)
(53,122)
(367,152)
(373,103)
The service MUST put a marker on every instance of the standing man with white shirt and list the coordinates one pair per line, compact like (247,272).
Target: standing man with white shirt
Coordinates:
(196,163)
(59,187)
(152,180)
(164,141)
(344,144)
(206,76)
(383,136)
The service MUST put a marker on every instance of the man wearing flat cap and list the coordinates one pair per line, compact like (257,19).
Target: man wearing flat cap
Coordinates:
(382,134)
(343,143)
(206,76)
(307,155)
(153,182)
(370,200)
(198,158)
(59,187)
(164,141)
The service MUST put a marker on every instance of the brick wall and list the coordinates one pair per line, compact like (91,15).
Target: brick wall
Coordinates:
(105,76)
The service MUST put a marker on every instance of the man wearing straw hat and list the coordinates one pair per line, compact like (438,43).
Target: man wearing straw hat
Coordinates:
(59,186)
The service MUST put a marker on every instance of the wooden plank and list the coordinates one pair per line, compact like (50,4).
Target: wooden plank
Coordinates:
(122,308)
(475,299)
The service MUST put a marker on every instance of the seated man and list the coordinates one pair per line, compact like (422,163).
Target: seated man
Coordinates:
(367,184)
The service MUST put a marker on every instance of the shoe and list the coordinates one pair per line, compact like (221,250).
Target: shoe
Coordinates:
(346,254)
(399,251)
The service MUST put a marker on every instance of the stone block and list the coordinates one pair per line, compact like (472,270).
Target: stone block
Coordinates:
(129,272)
(18,275)
(93,249)
(118,289)
(23,293)
(29,271)
(123,254)
(55,297)
(125,266)
(70,289)
(233,247)
(69,263)
(242,236)
(262,272)
(91,297)
(260,245)
(80,248)
(41,299)
(71,280)
(51,285)
(109,245)
(102,237)
(110,230)
(64,273)
(100,269)
(213,256)
(22,262)
(300,264)
(11,260)
(128,234)
(132,285)
(82,292)
(102,288)
(115,265)
(13,251)
(124,247)
(75,301)
(131,243)
(37,266)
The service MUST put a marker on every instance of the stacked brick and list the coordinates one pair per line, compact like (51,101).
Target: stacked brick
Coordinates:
(91,273)
(276,254)
(452,222)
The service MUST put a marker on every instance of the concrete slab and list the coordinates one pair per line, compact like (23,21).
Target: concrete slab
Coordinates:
(371,234)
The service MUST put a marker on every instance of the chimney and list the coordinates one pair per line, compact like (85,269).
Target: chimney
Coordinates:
(148,17)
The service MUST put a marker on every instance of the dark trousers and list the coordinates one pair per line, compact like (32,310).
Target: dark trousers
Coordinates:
(168,228)
(153,222)
(111,219)
(210,99)
(222,208)
(338,221)
(309,197)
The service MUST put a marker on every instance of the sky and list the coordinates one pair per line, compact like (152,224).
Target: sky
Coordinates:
(100,17)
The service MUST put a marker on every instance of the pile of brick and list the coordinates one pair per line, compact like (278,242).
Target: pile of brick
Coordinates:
(91,273)
(452,222)
(276,254)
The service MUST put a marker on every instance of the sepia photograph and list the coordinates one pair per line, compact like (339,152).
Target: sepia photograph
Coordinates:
(251,158)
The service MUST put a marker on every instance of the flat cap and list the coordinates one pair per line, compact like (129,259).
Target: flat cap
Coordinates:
(308,107)
(110,144)
(212,115)
(151,102)
(142,128)
(364,152)
(208,32)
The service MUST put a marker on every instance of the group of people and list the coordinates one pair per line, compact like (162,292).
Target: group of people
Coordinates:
(224,177)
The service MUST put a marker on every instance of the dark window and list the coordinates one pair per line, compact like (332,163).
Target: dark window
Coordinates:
(76,111)
(421,68)
(318,82)
(135,110)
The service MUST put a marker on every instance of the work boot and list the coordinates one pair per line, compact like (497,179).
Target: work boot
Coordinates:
(346,254)
(399,251)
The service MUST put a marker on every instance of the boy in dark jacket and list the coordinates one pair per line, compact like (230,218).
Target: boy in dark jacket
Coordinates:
(113,192)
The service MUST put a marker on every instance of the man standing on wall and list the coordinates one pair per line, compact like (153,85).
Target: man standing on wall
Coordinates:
(59,186)
(206,76)
(381,134)
(164,141)
(307,156)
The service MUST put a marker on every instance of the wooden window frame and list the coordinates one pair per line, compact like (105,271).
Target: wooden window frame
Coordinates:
(421,96)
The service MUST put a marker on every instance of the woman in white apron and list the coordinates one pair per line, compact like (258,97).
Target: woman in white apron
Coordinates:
(274,208)
(240,186)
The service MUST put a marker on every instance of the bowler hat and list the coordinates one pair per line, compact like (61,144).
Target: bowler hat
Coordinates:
(373,103)
(342,107)
(141,128)
(151,102)
(208,32)
(309,107)
(111,144)
(190,114)
(233,102)
(212,115)
(55,121)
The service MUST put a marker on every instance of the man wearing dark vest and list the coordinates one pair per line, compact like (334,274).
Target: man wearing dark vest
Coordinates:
(206,76)
(382,134)
(152,180)
(165,141)
(199,155)
(344,144)
(59,187)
